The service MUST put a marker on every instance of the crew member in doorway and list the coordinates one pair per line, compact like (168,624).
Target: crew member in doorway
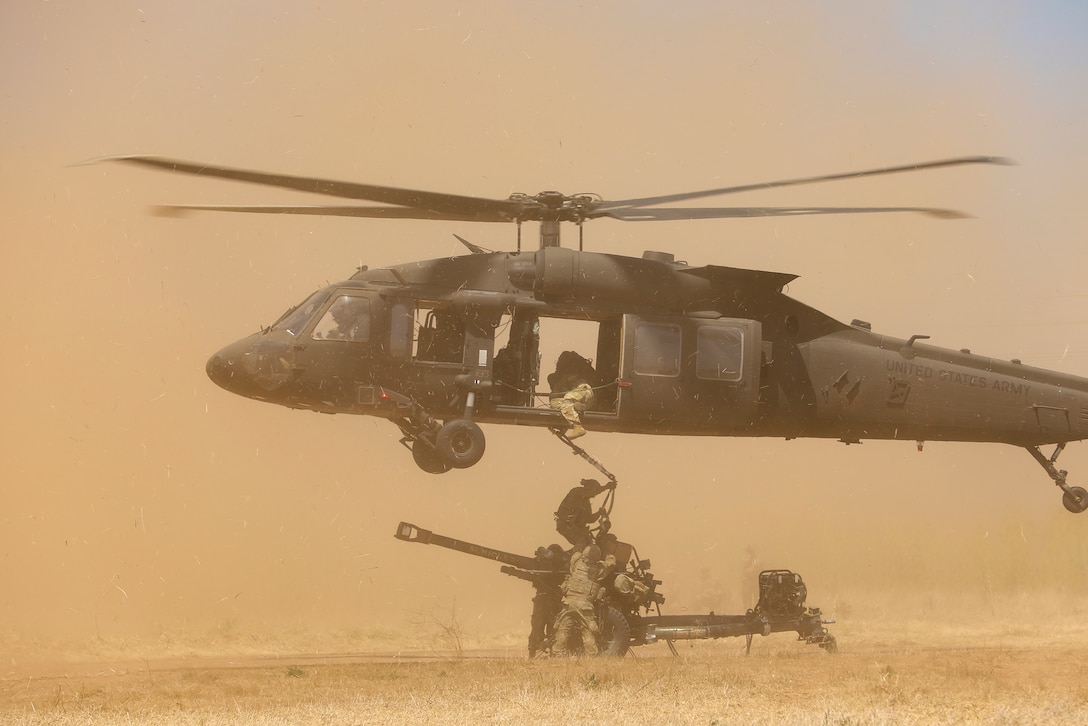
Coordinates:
(572,390)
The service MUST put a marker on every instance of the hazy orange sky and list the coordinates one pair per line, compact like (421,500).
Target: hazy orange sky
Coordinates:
(137,497)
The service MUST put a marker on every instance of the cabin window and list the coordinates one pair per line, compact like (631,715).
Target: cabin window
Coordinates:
(347,319)
(719,353)
(440,337)
(657,349)
(402,318)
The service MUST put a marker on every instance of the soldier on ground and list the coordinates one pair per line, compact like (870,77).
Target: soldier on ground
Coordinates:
(548,600)
(575,512)
(582,592)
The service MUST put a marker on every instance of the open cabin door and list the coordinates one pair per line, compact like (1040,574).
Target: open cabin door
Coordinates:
(689,374)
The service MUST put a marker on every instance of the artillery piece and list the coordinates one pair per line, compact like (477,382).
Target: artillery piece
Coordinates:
(624,614)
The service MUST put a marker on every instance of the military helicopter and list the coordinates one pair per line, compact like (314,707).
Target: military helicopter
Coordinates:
(440,346)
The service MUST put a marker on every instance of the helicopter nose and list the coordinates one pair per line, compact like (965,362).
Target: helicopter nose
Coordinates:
(225,367)
(254,366)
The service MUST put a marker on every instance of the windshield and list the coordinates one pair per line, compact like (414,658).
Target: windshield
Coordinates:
(295,319)
(347,319)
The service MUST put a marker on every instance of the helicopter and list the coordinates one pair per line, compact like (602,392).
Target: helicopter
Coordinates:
(440,346)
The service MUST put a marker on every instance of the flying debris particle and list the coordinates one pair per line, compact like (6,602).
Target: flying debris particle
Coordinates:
(113,581)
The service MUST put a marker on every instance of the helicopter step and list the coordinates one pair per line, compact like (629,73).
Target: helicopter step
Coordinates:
(1075,499)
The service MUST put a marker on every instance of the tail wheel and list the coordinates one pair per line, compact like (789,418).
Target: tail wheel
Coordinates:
(615,633)
(428,459)
(460,443)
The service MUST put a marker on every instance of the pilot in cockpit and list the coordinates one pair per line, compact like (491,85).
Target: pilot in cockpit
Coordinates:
(352,318)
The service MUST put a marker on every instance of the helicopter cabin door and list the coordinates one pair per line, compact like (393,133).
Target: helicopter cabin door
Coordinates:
(694,375)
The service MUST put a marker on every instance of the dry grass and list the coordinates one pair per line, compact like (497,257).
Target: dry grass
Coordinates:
(882,675)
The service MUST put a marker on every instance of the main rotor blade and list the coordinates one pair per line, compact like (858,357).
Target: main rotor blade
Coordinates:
(640,214)
(433,201)
(644,201)
(177,210)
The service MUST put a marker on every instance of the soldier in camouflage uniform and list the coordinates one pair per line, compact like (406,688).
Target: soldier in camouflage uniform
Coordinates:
(582,591)
(548,600)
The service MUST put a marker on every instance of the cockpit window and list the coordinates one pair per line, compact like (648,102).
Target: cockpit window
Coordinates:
(347,319)
(295,319)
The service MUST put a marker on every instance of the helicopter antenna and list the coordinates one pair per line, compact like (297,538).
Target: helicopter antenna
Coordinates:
(473,248)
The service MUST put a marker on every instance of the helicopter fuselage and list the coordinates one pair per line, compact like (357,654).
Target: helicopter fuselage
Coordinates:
(439,346)
(680,350)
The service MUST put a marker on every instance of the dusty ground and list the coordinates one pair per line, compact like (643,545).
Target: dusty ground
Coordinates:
(902,673)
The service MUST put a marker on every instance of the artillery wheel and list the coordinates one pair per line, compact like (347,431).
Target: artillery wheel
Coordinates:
(1075,500)
(428,459)
(460,443)
(615,633)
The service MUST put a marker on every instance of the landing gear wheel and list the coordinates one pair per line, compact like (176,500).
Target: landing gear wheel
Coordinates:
(615,633)
(428,459)
(1075,500)
(460,443)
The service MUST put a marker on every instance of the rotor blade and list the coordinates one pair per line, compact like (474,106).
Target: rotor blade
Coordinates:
(348,190)
(667,215)
(644,201)
(177,210)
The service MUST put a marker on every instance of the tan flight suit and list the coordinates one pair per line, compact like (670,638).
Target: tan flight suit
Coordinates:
(572,402)
(572,390)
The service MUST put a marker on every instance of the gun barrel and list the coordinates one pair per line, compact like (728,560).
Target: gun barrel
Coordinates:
(408,532)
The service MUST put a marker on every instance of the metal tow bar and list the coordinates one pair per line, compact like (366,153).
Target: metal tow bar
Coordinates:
(579,451)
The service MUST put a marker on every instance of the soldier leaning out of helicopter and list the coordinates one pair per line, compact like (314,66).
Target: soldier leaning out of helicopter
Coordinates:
(583,591)
(575,512)
(572,390)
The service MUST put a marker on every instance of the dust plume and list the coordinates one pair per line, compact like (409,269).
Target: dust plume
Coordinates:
(142,502)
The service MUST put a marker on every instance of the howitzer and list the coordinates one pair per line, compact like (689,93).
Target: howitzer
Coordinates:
(629,593)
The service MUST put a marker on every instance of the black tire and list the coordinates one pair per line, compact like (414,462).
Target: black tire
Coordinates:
(615,633)
(1075,500)
(460,443)
(428,459)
